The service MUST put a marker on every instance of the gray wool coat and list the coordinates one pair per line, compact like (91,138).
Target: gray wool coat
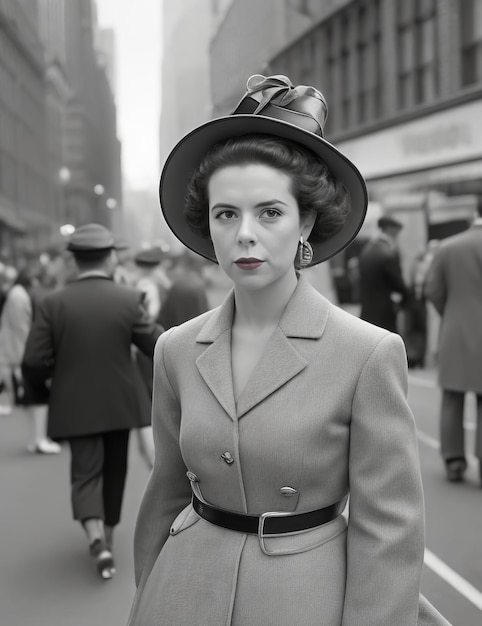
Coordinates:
(324,413)
(454,286)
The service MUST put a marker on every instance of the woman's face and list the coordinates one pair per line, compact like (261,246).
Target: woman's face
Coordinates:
(255,224)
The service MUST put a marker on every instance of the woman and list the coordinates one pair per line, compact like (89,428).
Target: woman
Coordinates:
(270,410)
(16,321)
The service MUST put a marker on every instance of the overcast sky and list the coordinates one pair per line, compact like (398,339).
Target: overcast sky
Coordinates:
(137,26)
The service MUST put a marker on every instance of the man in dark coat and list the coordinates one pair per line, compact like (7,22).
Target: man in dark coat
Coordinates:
(381,276)
(187,298)
(81,341)
(454,286)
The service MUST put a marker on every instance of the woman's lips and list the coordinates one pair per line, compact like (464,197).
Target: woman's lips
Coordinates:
(248,264)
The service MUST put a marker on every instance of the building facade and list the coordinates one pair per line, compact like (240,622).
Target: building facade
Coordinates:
(24,175)
(92,151)
(59,152)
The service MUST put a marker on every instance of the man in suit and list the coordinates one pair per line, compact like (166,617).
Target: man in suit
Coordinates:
(454,286)
(81,341)
(381,276)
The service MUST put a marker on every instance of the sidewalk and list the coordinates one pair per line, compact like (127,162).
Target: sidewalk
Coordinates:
(48,577)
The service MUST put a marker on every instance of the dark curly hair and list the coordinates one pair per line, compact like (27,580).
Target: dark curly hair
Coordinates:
(313,186)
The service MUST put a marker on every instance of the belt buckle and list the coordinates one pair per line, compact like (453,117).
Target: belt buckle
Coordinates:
(262,535)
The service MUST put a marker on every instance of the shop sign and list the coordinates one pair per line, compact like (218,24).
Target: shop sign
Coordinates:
(443,138)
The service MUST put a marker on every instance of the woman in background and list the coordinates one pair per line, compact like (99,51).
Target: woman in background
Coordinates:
(16,321)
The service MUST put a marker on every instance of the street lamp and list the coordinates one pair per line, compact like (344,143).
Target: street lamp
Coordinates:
(65,176)
(67,229)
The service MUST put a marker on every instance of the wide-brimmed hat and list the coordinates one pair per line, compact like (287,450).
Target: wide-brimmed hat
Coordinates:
(93,238)
(272,106)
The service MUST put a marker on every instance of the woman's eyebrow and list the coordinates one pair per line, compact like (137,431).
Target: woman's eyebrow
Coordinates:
(270,203)
(224,205)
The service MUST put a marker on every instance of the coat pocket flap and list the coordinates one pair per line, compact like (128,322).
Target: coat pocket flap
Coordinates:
(187,517)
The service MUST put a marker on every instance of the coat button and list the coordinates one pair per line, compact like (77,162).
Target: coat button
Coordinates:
(192,477)
(227,458)
(288,491)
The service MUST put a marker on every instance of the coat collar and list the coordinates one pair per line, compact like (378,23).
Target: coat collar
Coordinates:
(305,317)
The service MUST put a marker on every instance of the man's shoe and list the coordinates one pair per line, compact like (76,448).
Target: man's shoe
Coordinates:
(103,558)
(455,470)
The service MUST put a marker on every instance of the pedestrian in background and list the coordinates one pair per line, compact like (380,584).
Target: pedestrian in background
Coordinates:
(154,283)
(382,287)
(81,340)
(271,409)
(16,321)
(152,279)
(416,312)
(454,286)
(187,296)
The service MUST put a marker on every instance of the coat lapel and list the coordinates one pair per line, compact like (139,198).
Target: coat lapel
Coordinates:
(214,364)
(279,364)
(305,317)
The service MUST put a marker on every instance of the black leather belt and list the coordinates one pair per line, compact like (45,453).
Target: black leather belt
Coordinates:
(270,523)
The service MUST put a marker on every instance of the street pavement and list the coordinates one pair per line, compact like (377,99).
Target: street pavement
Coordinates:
(453,572)
(48,578)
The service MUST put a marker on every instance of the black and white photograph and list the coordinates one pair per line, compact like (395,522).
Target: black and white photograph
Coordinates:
(241,312)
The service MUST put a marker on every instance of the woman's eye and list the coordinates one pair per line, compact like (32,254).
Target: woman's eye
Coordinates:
(271,213)
(226,215)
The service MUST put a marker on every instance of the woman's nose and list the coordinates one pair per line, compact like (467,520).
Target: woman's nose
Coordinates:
(246,231)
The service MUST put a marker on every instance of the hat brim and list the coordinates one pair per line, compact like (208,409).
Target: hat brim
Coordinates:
(186,156)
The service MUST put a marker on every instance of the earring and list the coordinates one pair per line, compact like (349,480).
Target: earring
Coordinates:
(305,253)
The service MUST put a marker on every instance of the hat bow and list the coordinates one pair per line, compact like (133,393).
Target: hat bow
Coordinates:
(276,96)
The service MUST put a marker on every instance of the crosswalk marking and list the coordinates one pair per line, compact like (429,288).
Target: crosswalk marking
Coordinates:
(453,579)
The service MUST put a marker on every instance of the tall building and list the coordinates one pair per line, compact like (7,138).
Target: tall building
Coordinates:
(106,56)
(186,94)
(92,149)
(59,151)
(25,185)
(51,23)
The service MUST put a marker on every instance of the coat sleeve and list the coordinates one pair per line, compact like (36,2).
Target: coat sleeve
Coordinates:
(39,356)
(393,274)
(385,540)
(168,490)
(435,288)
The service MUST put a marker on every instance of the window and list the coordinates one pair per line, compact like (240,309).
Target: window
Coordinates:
(345,82)
(426,70)
(471,41)
(368,61)
(417,47)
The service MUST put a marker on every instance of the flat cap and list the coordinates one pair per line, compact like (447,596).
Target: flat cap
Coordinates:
(386,221)
(149,256)
(91,237)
